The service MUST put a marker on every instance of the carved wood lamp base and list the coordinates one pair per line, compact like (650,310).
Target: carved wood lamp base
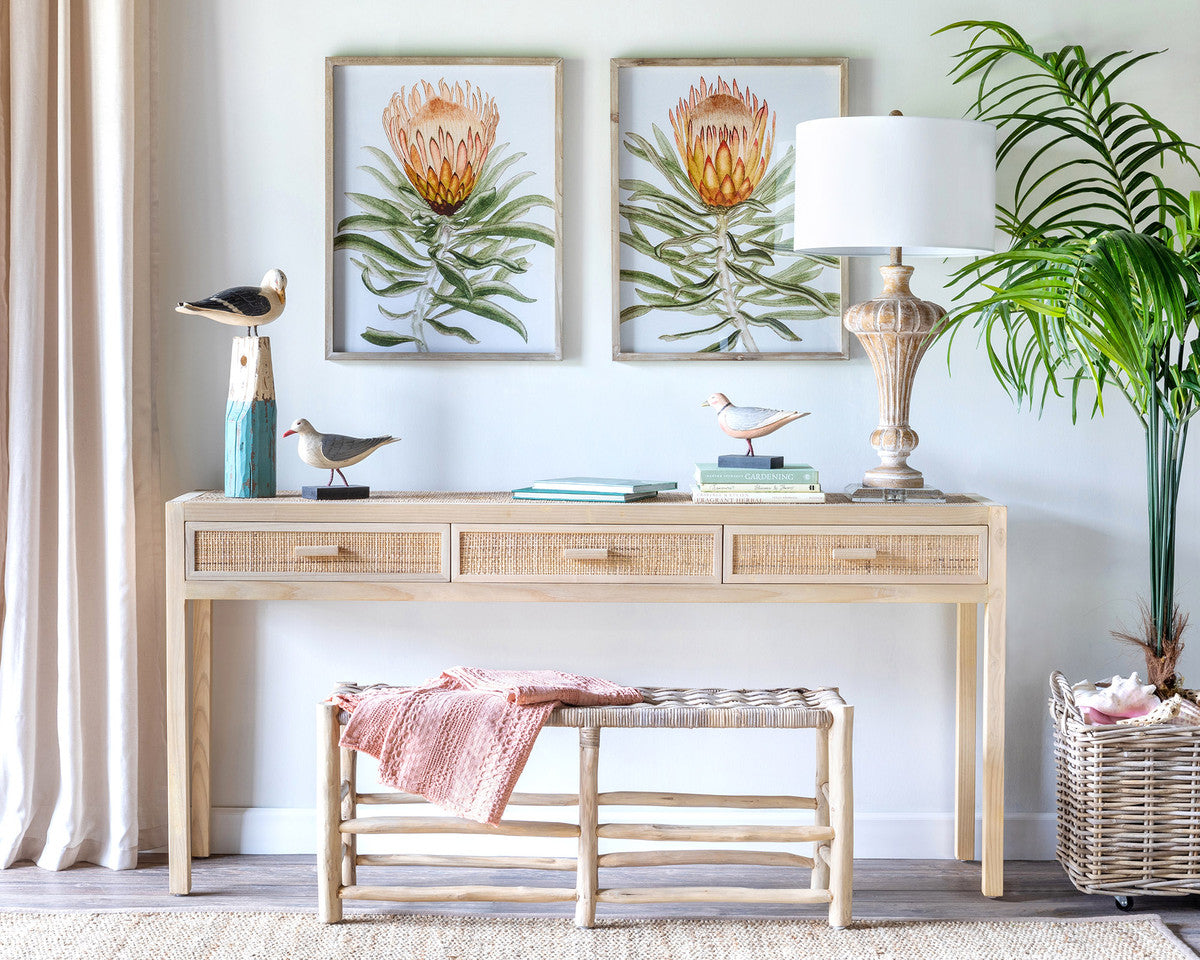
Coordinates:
(894,329)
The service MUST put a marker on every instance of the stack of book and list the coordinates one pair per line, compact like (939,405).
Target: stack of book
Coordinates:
(592,489)
(786,483)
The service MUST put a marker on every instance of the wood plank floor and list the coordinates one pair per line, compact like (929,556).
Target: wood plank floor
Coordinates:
(924,889)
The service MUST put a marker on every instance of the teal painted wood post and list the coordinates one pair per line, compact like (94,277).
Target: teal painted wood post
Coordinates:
(250,420)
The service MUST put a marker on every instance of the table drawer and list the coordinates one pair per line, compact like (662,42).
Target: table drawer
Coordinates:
(318,551)
(585,553)
(838,554)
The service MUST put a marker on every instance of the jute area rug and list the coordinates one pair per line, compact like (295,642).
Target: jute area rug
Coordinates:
(290,936)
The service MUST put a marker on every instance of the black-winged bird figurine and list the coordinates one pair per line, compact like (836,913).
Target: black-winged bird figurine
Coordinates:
(248,307)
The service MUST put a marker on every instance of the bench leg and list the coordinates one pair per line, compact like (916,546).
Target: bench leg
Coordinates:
(820,870)
(349,810)
(587,876)
(329,809)
(841,815)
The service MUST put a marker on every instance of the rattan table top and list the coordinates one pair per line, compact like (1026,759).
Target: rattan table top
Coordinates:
(669,498)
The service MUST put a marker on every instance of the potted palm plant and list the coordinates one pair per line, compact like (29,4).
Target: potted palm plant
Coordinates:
(1098,293)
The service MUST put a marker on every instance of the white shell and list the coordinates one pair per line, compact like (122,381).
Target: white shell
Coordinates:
(1121,697)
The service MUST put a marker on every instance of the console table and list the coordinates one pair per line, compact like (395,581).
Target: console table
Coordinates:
(486,546)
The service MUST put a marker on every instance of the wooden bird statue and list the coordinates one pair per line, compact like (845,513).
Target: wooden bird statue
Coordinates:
(248,307)
(748,423)
(332,451)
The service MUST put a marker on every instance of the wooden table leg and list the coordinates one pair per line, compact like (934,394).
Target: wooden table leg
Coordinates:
(201,725)
(993,708)
(586,873)
(965,687)
(329,809)
(841,815)
(179,843)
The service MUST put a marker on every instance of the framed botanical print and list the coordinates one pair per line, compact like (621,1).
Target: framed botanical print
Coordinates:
(443,185)
(702,159)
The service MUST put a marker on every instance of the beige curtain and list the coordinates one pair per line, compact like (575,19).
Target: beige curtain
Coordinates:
(81,734)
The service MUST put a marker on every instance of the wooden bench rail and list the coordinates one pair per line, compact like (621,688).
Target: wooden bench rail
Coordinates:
(460,894)
(670,858)
(517,799)
(622,798)
(740,833)
(505,828)
(710,895)
(640,798)
(458,860)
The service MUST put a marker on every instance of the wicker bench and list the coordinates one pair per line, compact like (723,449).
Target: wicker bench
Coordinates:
(831,832)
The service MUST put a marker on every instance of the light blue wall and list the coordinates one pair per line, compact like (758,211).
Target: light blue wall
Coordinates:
(240,161)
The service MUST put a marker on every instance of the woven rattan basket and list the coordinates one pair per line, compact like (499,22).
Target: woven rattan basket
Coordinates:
(1128,803)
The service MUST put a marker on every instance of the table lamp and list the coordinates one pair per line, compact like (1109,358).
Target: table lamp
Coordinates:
(868,186)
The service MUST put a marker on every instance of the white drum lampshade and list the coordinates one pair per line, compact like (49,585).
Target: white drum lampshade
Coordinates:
(870,186)
(867,184)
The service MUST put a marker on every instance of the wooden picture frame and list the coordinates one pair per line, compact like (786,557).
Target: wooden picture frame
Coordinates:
(443,208)
(703,263)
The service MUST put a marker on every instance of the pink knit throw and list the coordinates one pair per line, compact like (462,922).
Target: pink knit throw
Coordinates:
(461,740)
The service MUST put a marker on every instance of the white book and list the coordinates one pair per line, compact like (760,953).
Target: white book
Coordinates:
(760,487)
(706,496)
(603,485)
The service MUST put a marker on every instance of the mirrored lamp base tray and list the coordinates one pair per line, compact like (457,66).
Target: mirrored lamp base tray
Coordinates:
(860,494)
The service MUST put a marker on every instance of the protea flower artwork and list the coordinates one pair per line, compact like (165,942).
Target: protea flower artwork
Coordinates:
(442,140)
(723,140)
(710,214)
(447,238)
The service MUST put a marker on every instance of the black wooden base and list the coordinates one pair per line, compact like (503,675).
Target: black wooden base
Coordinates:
(353,492)
(747,462)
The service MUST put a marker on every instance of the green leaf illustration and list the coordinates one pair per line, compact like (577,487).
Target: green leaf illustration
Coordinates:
(386,338)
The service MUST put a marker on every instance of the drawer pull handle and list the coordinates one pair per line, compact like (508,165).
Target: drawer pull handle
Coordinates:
(315,552)
(853,553)
(586,553)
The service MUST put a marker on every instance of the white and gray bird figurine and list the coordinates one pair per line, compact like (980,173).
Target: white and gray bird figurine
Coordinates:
(748,423)
(248,307)
(332,451)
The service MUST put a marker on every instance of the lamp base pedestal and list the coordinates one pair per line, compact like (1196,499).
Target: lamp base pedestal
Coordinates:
(893,475)
(865,494)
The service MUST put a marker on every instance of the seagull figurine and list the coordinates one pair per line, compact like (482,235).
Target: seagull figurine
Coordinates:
(748,423)
(250,307)
(332,451)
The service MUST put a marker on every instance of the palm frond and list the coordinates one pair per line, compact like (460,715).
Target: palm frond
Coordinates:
(1058,98)
(1100,286)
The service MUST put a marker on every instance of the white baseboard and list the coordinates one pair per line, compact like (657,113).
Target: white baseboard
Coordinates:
(919,836)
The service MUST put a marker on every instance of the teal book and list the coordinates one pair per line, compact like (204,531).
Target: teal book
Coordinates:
(603,485)
(789,473)
(250,432)
(589,496)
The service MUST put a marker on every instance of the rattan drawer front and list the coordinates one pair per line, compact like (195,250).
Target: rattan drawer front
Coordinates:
(838,554)
(583,553)
(318,551)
